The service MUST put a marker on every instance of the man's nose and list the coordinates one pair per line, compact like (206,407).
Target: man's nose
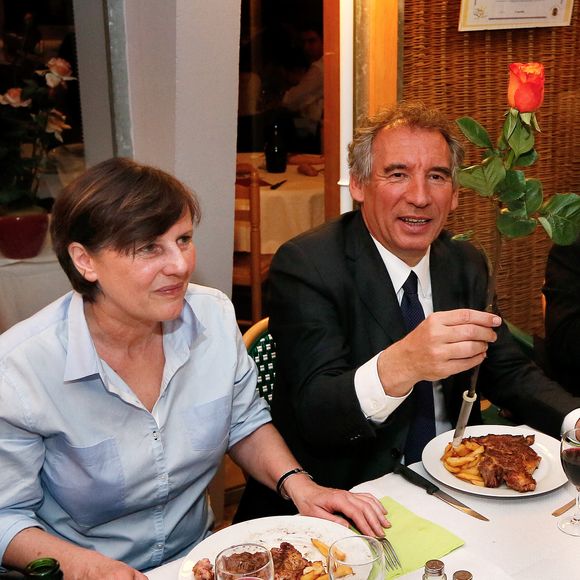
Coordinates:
(418,193)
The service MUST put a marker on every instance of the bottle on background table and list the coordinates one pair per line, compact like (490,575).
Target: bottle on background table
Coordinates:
(276,148)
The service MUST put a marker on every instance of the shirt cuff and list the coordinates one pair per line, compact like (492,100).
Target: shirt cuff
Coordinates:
(374,402)
(570,420)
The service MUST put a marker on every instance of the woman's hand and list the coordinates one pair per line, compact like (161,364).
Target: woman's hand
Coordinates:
(76,563)
(362,510)
(95,566)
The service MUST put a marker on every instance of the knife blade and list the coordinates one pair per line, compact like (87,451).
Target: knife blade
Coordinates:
(417,479)
(277,185)
(564,508)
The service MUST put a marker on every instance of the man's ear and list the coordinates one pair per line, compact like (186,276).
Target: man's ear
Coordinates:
(356,189)
(83,261)
(454,200)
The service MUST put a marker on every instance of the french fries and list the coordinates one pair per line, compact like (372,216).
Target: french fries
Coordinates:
(323,549)
(463,460)
(317,571)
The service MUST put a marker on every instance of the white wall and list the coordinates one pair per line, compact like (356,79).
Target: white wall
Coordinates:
(181,96)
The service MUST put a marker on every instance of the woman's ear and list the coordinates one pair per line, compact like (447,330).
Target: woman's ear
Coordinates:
(83,261)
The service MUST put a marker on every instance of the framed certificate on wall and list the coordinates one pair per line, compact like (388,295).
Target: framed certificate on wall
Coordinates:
(497,14)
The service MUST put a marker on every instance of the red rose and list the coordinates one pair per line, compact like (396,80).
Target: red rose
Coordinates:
(526,87)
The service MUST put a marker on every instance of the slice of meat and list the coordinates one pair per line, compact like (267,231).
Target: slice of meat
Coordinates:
(288,562)
(509,459)
(203,570)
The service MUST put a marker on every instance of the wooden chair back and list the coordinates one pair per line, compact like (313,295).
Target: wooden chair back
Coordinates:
(250,268)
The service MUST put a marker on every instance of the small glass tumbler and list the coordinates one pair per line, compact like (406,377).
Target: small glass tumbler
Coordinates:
(244,562)
(358,557)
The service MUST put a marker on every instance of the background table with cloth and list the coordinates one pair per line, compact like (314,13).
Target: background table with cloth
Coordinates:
(28,285)
(292,208)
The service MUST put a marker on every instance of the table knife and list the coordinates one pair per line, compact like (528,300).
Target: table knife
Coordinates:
(564,508)
(416,479)
(277,185)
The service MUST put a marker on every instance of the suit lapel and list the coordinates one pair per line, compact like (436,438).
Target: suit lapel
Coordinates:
(372,280)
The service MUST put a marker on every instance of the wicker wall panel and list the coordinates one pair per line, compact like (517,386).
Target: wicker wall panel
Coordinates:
(466,73)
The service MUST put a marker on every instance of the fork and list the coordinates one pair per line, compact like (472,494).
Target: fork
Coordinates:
(392,561)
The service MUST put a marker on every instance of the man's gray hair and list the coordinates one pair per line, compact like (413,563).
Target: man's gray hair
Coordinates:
(414,115)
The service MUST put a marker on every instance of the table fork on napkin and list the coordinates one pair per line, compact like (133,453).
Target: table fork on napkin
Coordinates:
(392,561)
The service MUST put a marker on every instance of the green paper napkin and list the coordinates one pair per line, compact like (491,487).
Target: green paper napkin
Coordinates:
(415,539)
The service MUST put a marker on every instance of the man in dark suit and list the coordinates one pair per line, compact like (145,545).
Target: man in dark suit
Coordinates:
(353,373)
(562,291)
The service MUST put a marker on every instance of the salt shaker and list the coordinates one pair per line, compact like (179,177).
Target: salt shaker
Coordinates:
(462,575)
(434,569)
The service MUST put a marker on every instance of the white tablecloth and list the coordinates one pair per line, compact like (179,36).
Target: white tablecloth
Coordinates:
(28,285)
(521,542)
(293,208)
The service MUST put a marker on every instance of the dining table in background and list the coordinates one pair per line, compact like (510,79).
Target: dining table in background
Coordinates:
(520,542)
(28,285)
(292,208)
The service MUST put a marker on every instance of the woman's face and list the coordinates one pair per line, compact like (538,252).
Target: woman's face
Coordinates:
(149,285)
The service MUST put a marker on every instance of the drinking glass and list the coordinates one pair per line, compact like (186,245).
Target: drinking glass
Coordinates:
(570,456)
(244,561)
(362,554)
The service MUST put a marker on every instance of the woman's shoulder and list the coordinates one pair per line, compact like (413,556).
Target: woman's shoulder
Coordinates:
(49,319)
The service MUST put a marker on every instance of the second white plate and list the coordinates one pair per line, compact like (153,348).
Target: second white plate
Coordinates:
(548,476)
(270,532)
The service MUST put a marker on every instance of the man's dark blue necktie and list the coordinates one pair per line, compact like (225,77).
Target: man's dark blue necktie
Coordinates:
(422,428)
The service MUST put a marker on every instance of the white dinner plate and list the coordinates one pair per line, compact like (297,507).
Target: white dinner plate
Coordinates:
(548,476)
(270,532)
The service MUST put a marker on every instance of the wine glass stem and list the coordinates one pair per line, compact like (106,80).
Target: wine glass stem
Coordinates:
(576,515)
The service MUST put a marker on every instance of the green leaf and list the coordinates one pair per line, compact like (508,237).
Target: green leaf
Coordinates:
(530,201)
(483,178)
(463,237)
(510,124)
(526,159)
(526,118)
(560,217)
(535,123)
(513,226)
(513,186)
(534,195)
(474,132)
(521,140)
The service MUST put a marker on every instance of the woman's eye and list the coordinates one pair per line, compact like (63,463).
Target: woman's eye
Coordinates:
(147,249)
(185,240)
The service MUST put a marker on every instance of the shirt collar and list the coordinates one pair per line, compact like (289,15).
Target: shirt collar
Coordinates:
(399,271)
(82,359)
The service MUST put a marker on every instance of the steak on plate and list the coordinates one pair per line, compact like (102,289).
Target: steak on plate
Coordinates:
(288,562)
(509,459)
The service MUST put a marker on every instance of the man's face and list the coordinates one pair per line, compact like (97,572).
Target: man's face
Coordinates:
(313,46)
(410,193)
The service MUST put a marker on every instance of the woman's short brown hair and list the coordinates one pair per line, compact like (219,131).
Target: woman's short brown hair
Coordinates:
(116,204)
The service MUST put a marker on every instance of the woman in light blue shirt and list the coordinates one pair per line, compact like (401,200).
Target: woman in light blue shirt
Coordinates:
(119,400)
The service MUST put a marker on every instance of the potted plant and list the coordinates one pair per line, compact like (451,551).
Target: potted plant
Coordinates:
(29,127)
(518,201)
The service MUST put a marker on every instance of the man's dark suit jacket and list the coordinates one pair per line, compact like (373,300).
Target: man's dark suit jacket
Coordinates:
(332,308)
(562,290)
